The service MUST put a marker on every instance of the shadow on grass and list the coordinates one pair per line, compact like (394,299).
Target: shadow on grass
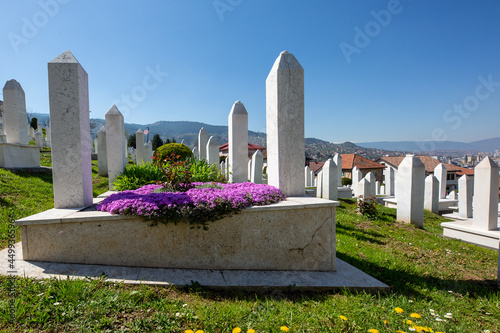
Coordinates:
(5,203)
(361,234)
(406,283)
(45,175)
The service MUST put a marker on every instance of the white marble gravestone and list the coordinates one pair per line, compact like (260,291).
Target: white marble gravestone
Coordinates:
(307,176)
(114,143)
(202,144)
(139,146)
(238,143)
(337,158)
(431,197)
(14,117)
(465,185)
(356,177)
(69,116)
(485,202)
(441,172)
(102,152)
(285,125)
(330,180)
(257,163)
(213,151)
(410,187)
(389,181)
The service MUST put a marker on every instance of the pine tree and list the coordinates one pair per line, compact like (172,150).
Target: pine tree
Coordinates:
(157,141)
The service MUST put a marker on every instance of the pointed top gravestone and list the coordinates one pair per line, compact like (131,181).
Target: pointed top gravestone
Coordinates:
(102,152)
(356,177)
(465,184)
(213,151)
(257,162)
(485,202)
(330,178)
(238,143)
(410,187)
(202,144)
(14,117)
(337,158)
(285,125)
(71,144)
(441,172)
(431,197)
(139,146)
(114,143)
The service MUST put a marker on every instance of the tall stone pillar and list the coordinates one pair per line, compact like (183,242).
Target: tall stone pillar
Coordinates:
(14,117)
(410,187)
(238,143)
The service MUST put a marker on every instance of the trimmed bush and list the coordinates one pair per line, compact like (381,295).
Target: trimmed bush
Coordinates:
(178,149)
(346,181)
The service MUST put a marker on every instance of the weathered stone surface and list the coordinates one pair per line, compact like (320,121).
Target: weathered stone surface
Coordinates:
(485,202)
(238,143)
(441,172)
(297,234)
(363,189)
(330,179)
(410,186)
(195,152)
(337,159)
(148,152)
(356,177)
(14,117)
(307,176)
(371,178)
(38,139)
(389,179)
(285,125)
(19,156)
(69,117)
(102,152)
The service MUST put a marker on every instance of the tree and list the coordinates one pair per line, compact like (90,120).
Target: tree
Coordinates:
(157,141)
(34,123)
(168,141)
(173,140)
(131,142)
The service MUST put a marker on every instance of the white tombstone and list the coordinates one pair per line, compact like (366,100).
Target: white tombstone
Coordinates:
(32,132)
(485,202)
(319,185)
(114,143)
(389,180)
(410,186)
(213,151)
(257,162)
(307,176)
(371,178)
(125,152)
(452,195)
(202,143)
(238,143)
(431,197)
(148,152)
(249,169)
(222,168)
(356,176)
(312,177)
(195,152)
(39,128)
(102,152)
(465,196)
(285,125)
(377,188)
(48,135)
(96,145)
(363,189)
(382,189)
(14,116)
(337,158)
(139,147)
(38,139)
(69,117)
(441,173)
(133,157)
(330,180)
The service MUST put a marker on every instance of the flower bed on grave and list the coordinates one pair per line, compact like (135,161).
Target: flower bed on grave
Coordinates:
(203,203)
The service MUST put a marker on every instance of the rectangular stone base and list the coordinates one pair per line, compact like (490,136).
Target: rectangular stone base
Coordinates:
(465,231)
(296,234)
(19,156)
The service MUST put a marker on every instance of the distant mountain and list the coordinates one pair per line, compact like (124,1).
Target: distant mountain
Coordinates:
(488,145)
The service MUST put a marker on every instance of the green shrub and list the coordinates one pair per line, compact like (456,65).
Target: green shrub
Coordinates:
(178,149)
(136,176)
(346,181)
(202,171)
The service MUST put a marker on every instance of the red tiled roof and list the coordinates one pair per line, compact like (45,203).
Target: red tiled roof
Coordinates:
(251,146)
(429,162)
(316,166)
(464,171)
(349,161)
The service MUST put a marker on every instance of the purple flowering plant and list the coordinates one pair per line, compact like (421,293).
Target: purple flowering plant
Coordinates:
(202,203)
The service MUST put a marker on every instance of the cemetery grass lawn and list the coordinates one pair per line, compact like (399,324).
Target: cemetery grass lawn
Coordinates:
(454,279)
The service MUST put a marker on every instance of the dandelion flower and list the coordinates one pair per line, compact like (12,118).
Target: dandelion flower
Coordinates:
(188,331)
(343,317)
(251,330)
(415,315)
(199,331)
(386,322)
(409,322)
(236,330)
(399,310)
(372,330)
(284,328)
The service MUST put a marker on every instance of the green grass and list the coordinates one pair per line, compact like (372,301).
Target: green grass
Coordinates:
(425,271)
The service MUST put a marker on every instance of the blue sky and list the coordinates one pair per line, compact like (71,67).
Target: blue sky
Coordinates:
(374,70)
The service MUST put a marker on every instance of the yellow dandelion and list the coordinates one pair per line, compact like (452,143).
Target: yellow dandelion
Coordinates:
(236,330)
(284,328)
(372,330)
(188,331)
(409,322)
(251,330)
(386,322)
(415,315)
(199,331)
(343,318)
(400,331)
(399,310)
